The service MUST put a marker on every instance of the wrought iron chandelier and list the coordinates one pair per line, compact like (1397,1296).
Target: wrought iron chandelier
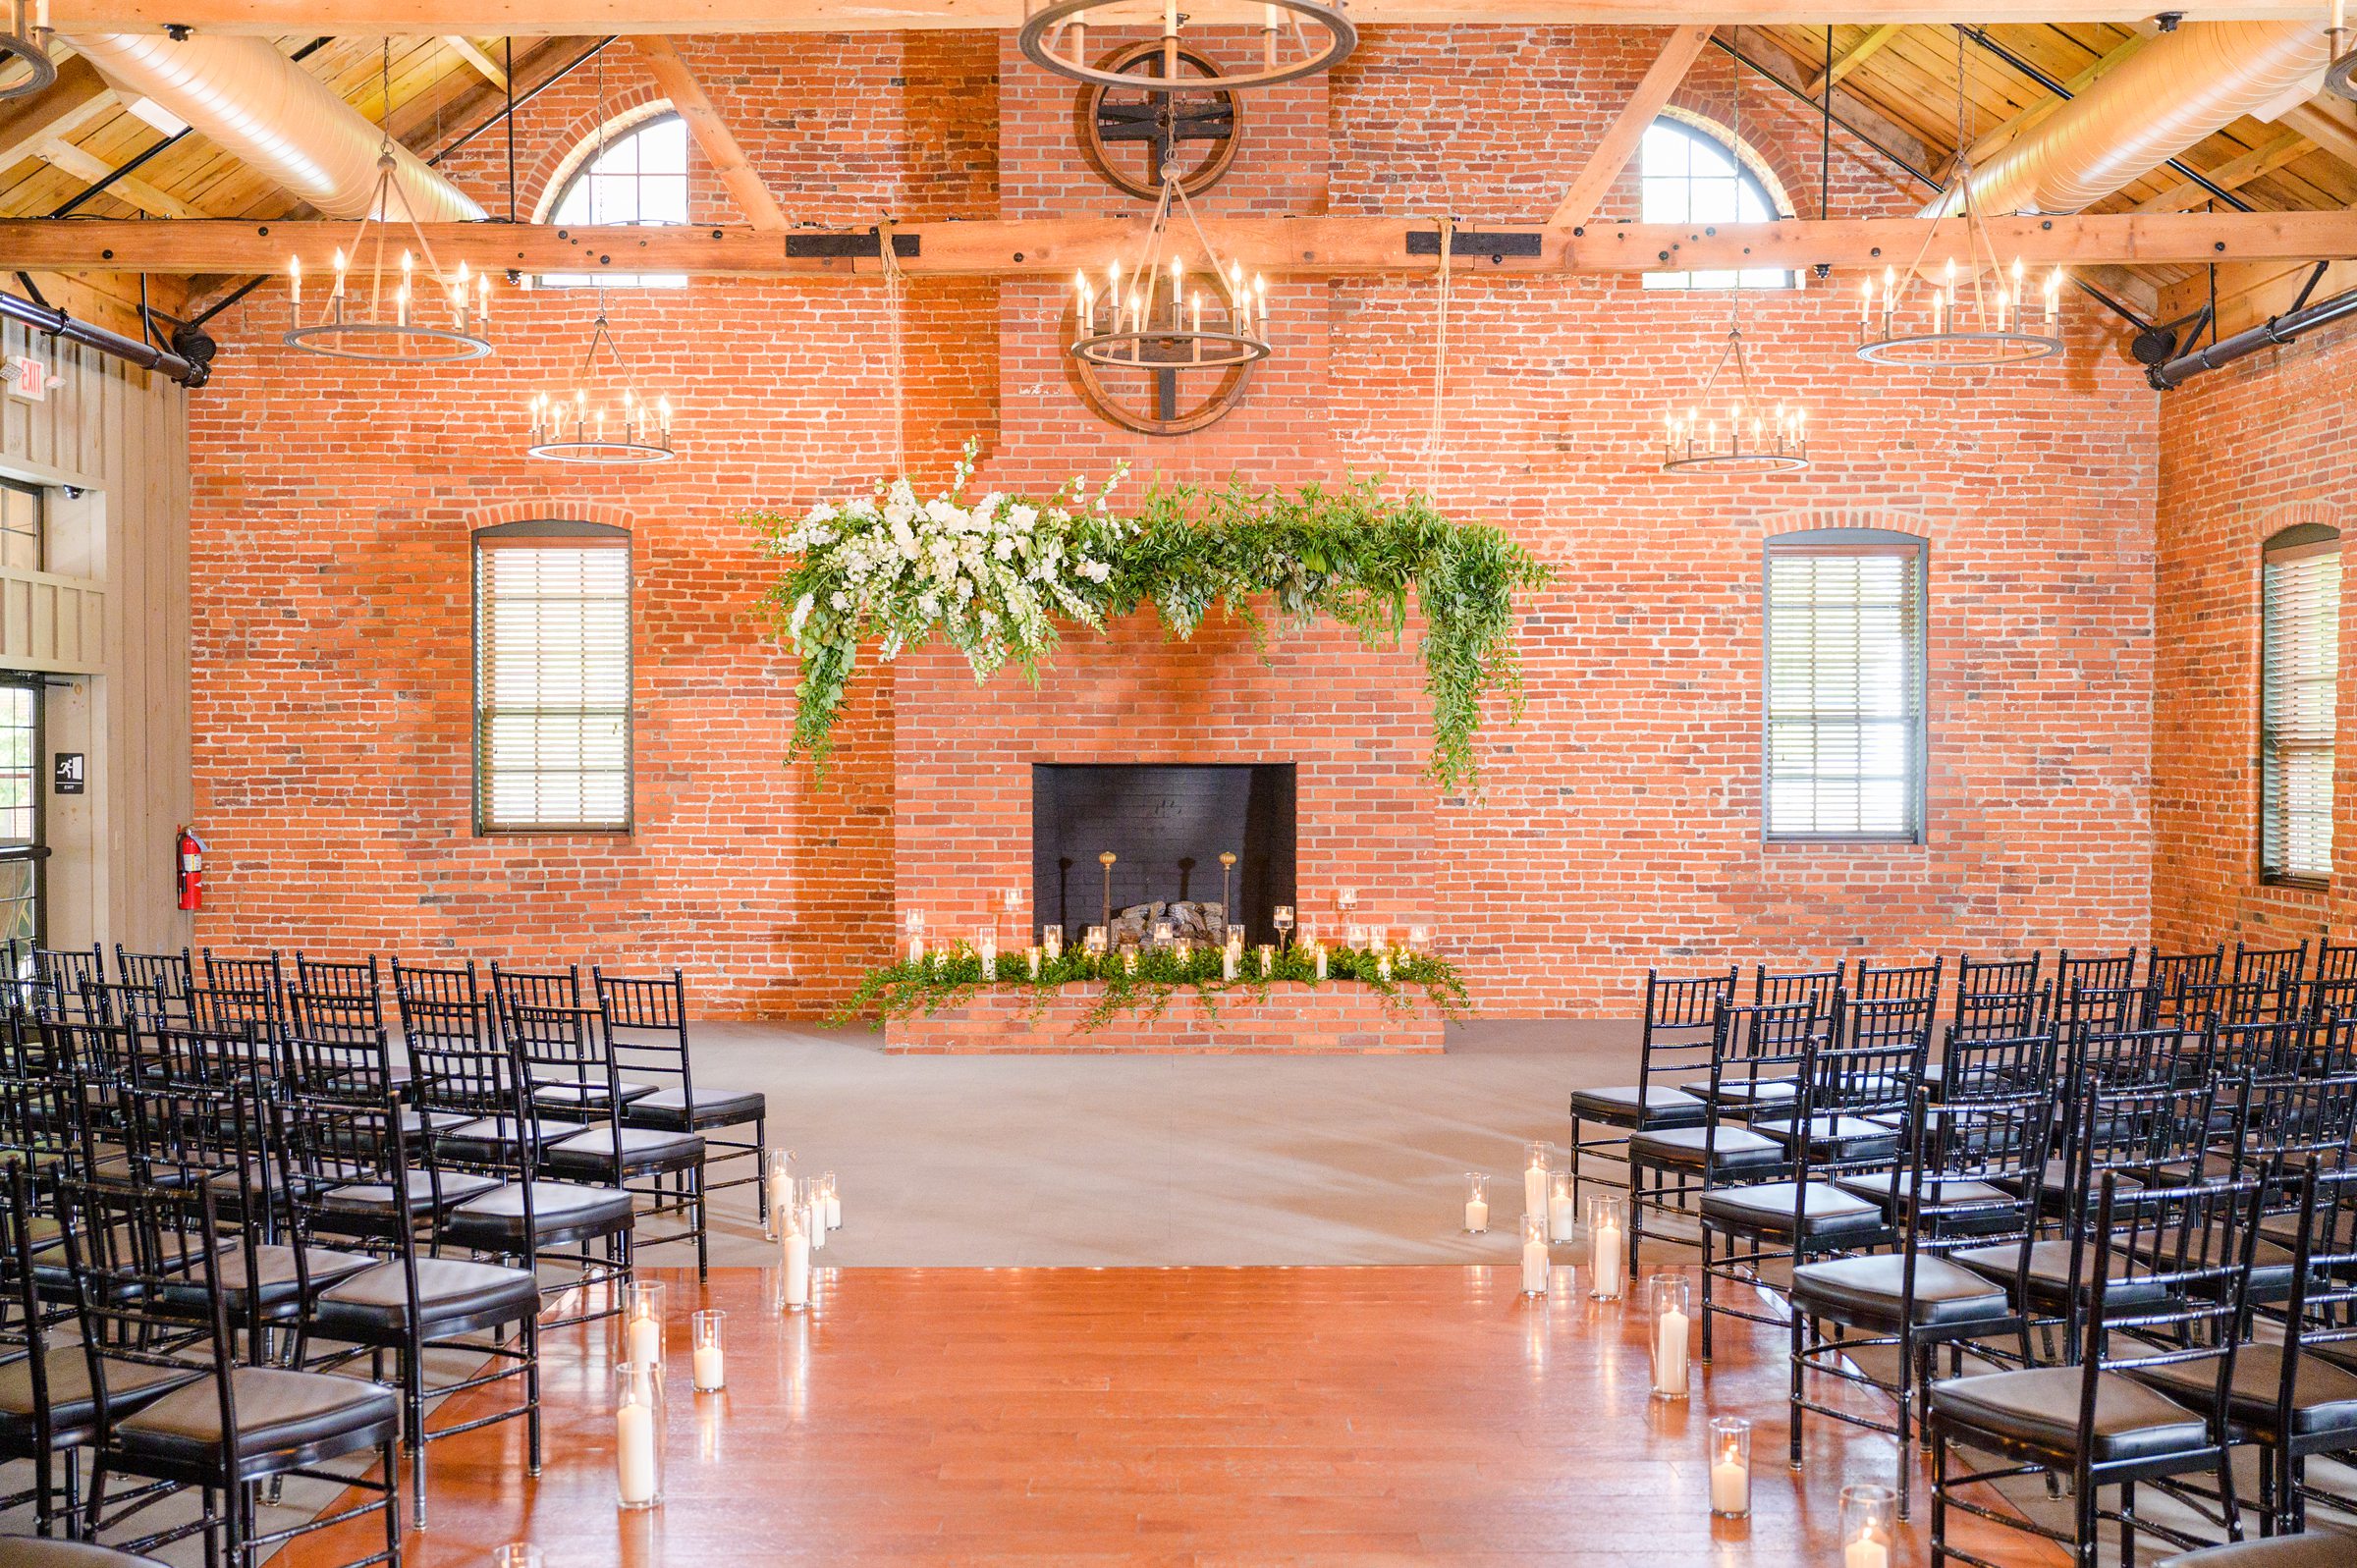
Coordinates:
(1165,312)
(408,318)
(24,64)
(2340,76)
(1297,37)
(1918,322)
(1755,439)
(575,429)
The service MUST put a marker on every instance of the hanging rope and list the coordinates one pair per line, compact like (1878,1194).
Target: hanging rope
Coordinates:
(1440,359)
(896,291)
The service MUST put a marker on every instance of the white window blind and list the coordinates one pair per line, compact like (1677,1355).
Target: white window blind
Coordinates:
(1845,736)
(552,685)
(2299,695)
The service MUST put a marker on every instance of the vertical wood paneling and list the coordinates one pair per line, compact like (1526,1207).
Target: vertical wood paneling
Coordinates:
(125,434)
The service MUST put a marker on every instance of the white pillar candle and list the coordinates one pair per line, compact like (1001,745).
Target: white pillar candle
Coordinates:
(644,1342)
(798,1269)
(814,1221)
(1866,1552)
(1562,1223)
(1035,963)
(1477,1216)
(1605,1259)
(634,1455)
(1534,1190)
(1226,963)
(1534,1261)
(1321,956)
(1670,1357)
(834,1201)
(1730,1487)
(988,947)
(708,1369)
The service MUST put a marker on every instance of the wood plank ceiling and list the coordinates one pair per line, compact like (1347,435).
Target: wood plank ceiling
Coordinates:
(1903,78)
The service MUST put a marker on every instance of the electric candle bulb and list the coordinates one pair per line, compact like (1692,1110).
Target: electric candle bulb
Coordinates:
(294,277)
(482,295)
(1865,303)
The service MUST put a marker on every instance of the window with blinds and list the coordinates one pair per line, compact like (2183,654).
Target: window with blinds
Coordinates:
(1844,721)
(552,677)
(2299,695)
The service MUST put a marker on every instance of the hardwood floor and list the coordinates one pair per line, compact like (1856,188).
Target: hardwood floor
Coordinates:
(1197,1415)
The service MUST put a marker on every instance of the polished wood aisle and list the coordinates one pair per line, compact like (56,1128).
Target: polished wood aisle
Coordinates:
(1156,1415)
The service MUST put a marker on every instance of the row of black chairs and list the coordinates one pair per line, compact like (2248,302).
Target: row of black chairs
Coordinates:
(2148,1185)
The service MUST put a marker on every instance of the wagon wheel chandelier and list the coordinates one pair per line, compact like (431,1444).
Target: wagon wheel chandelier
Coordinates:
(1757,438)
(1920,323)
(1297,39)
(1152,311)
(2340,76)
(427,319)
(24,64)
(575,429)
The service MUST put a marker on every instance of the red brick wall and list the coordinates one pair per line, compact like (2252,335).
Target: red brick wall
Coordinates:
(2245,451)
(1620,822)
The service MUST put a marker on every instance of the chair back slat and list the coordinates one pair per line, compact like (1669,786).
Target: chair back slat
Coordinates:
(437,984)
(1680,1022)
(2003,1015)
(174,972)
(1909,982)
(644,1022)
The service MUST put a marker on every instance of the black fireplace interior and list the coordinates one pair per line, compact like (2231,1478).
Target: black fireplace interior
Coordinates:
(1168,826)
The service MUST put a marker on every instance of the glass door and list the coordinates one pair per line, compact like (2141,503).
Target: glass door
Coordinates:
(24,839)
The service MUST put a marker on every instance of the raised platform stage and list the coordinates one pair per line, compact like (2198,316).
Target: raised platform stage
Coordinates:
(1294,1020)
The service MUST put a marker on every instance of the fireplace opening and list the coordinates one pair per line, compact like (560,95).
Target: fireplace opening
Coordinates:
(1167,826)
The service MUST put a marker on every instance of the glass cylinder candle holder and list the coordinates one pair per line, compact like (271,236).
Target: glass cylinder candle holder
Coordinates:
(1162,932)
(1535,1163)
(832,1194)
(1094,941)
(1673,1322)
(986,948)
(1869,1522)
(815,1212)
(1477,1203)
(641,1328)
(1419,938)
(515,1554)
(1282,917)
(1607,1246)
(1317,958)
(638,1436)
(1354,935)
(704,1334)
(1034,958)
(1563,1216)
(1535,1260)
(1730,1467)
(777,1188)
(1346,899)
(916,926)
(1267,959)
(1051,942)
(794,1258)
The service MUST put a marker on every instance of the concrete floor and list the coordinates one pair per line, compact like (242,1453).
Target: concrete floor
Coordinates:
(1105,1160)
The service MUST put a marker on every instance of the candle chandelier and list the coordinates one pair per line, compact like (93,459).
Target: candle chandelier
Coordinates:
(1980,318)
(399,314)
(605,421)
(1163,310)
(1751,438)
(1297,37)
(24,64)
(2340,76)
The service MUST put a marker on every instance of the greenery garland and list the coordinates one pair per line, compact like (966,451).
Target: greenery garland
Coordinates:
(954,977)
(993,576)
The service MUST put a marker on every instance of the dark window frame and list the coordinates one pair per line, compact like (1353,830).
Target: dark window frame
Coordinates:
(2301,537)
(41,518)
(554,528)
(1881,540)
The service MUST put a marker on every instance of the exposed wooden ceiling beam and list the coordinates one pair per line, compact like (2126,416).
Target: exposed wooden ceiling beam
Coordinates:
(77,97)
(484,66)
(2232,175)
(62,154)
(711,132)
(1996,142)
(2325,126)
(501,18)
(1858,54)
(1286,246)
(1627,130)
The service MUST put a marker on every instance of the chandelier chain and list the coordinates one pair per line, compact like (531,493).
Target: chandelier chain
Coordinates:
(896,293)
(1439,357)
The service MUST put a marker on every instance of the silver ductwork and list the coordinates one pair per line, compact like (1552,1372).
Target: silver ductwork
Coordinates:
(2152,107)
(266,111)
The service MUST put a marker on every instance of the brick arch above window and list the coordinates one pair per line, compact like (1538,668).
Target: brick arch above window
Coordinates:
(1889,519)
(491,517)
(575,145)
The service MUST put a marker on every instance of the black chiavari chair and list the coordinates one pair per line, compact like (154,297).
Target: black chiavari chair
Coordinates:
(265,978)
(2175,978)
(438,984)
(1899,983)
(2094,971)
(356,984)
(1674,1051)
(575,1088)
(174,972)
(62,972)
(2273,967)
(126,1002)
(644,1020)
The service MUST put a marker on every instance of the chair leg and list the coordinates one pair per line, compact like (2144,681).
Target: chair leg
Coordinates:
(389,1452)
(2230,1507)
(2127,1524)
(1636,1218)
(1803,1337)
(412,1383)
(1706,1292)
(1907,1351)
(95,1505)
(1574,1161)
(72,1493)
(760,1167)
(1938,1496)
(532,1386)
(702,1218)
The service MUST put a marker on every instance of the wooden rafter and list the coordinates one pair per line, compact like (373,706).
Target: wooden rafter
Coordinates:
(468,50)
(1284,246)
(62,154)
(2232,175)
(1996,142)
(1858,54)
(497,17)
(1627,130)
(711,132)
(77,97)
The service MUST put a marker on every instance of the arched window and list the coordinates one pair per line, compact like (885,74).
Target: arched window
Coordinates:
(1692,174)
(2299,701)
(641,178)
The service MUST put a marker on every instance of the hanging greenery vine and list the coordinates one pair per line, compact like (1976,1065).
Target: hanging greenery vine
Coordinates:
(913,988)
(992,578)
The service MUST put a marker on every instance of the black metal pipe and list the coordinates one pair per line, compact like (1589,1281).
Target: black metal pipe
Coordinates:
(2268,334)
(1979,35)
(514,103)
(56,323)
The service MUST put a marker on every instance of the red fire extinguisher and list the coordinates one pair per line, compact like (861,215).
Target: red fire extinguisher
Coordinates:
(191,855)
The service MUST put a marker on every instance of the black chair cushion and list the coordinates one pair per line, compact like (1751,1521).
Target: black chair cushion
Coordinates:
(2324,1395)
(375,1305)
(371,1205)
(571,1094)
(1867,1292)
(275,1278)
(1684,1147)
(589,1156)
(72,1406)
(35,1552)
(2049,1271)
(494,1221)
(1740,1094)
(1767,1210)
(2039,1408)
(1880,1187)
(316,1414)
(494,1140)
(1842,1137)
(667,1110)
(2317,1548)
(1662,1106)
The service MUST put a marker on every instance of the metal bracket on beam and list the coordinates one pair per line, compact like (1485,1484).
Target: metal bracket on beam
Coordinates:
(853,246)
(1470,243)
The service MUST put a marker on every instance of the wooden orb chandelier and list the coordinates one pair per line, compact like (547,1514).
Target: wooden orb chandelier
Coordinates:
(1297,37)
